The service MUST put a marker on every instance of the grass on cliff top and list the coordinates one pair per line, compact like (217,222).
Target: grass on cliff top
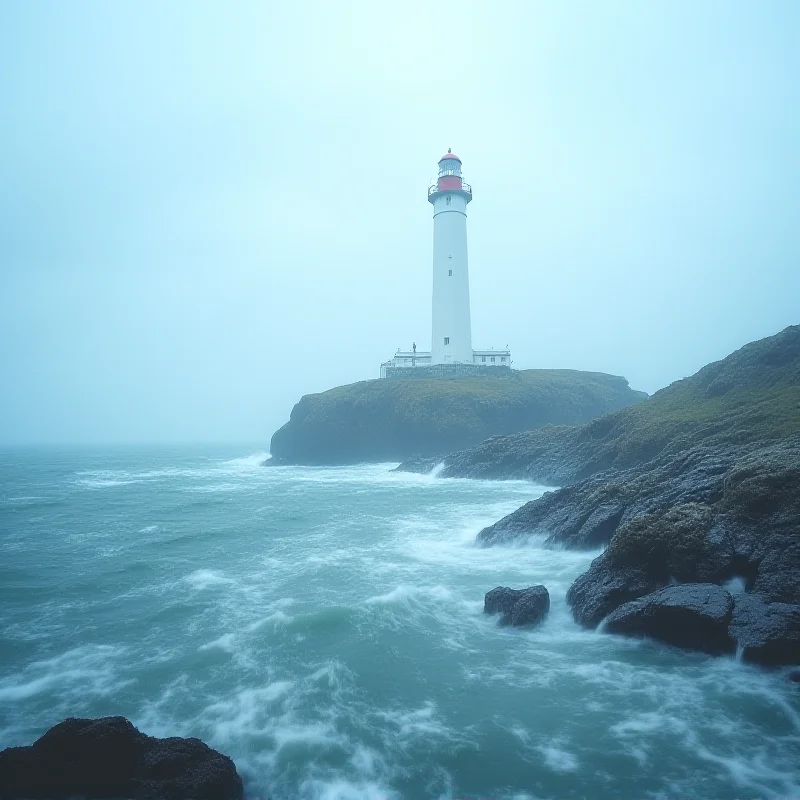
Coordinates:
(548,388)
(752,395)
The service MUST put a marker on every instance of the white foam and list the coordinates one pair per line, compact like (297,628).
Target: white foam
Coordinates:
(215,488)
(367,762)
(343,789)
(751,772)
(317,733)
(521,733)
(736,585)
(407,594)
(416,722)
(558,759)
(88,669)
(249,712)
(648,723)
(106,483)
(252,461)
(225,642)
(275,618)
(204,578)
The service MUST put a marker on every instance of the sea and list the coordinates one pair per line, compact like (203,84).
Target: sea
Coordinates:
(324,627)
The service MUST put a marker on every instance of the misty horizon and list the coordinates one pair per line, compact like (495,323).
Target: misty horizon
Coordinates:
(209,214)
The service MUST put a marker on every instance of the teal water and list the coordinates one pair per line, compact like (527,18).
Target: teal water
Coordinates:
(324,628)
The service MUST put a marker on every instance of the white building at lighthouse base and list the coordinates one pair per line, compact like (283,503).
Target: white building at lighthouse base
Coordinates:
(409,359)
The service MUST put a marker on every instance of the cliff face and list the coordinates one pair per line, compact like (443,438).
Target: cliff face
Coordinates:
(752,396)
(392,420)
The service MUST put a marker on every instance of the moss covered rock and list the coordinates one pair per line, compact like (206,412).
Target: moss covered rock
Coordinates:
(750,397)
(393,420)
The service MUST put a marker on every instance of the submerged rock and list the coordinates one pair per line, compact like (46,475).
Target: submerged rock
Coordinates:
(518,606)
(694,616)
(110,758)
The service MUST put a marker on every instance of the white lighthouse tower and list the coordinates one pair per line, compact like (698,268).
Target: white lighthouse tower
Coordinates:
(451,352)
(451,338)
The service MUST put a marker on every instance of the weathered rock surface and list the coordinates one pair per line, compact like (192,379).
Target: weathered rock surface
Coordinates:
(715,498)
(392,420)
(518,606)
(109,758)
(596,593)
(694,616)
(750,397)
(768,633)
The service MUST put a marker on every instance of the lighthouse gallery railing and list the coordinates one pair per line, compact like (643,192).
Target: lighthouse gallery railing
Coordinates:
(434,187)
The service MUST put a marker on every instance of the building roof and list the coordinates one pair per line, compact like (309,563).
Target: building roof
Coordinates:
(447,155)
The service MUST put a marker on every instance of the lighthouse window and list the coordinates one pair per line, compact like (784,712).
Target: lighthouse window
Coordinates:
(492,359)
(450,273)
(483,358)
(447,340)
(502,359)
(447,200)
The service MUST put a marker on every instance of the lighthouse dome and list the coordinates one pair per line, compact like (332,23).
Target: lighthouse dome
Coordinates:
(449,165)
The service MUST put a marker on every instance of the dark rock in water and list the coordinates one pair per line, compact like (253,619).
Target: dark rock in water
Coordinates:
(109,758)
(768,633)
(518,606)
(420,466)
(693,616)
(596,593)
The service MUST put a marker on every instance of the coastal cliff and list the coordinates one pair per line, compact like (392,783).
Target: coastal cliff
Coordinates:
(695,496)
(393,420)
(750,397)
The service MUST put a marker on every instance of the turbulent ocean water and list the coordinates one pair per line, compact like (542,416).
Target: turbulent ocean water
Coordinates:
(324,628)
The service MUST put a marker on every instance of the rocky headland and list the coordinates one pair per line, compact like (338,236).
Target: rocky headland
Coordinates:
(109,758)
(397,419)
(694,494)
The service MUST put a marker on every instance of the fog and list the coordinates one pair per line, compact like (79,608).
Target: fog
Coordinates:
(211,209)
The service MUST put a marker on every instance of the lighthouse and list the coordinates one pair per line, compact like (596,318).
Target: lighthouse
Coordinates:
(451,335)
(451,353)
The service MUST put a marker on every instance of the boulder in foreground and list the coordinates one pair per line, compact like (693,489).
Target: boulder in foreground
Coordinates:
(110,758)
(694,616)
(518,606)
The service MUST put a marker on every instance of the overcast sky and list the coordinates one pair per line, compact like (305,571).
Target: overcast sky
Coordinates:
(208,210)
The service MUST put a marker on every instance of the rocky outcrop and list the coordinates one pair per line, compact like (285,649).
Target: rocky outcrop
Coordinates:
(109,758)
(694,616)
(393,420)
(718,500)
(596,593)
(750,397)
(518,606)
